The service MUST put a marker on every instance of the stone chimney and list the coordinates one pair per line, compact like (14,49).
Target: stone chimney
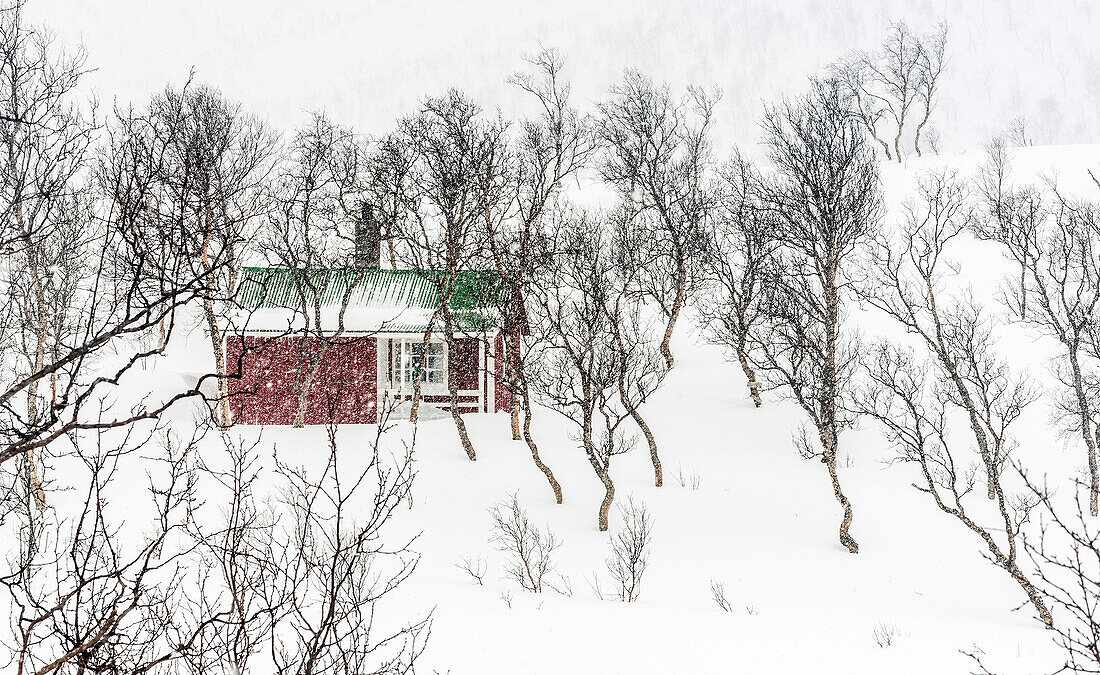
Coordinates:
(368,239)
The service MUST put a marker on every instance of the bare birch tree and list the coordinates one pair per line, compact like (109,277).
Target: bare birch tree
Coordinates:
(907,281)
(550,148)
(825,196)
(933,61)
(311,218)
(458,175)
(640,364)
(216,163)
(657,155)
(575,371)
(740,242)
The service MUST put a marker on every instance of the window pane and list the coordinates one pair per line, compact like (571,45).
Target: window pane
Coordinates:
(409,357)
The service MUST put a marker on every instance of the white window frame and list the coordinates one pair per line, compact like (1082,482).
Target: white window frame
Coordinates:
(403,368)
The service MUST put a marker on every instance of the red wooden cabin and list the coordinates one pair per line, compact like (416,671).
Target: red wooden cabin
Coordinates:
(373,323)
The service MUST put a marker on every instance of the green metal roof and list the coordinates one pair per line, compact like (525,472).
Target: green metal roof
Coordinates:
(280,287)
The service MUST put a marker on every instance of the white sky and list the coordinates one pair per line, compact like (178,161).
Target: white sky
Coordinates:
(368,62)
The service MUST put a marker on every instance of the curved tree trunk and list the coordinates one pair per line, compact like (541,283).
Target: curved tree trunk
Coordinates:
(658,474)
(608,499)
(920,127)
(827,428)
(554,485)
(828,440)
(677,305)
(602,472)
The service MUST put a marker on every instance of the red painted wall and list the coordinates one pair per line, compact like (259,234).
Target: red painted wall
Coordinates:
(503,401)
(344,390)
(464,363)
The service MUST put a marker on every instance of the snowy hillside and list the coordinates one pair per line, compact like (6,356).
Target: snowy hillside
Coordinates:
(738,507)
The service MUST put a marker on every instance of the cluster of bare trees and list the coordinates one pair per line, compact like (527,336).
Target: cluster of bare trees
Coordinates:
(892,90)
(216,576)
(130,543)
(791,246)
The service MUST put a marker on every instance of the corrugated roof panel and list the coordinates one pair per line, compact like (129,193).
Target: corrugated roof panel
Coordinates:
(285,287)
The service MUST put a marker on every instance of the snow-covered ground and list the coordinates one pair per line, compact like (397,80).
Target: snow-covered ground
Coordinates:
(750,514)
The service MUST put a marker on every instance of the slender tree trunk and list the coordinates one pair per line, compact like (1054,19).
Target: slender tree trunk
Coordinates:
(32,386)
(979,434)
(975,424)
(750,375)
(920,127)
(897,144)
(35,483)
(452,388)
(554,485)
(39,357)
(658,474)
(677,305)
(828,430)
(1086,430)
(602,472)
(1009,564)
(307,384)
(219,363)
(514,412)
(884,144)
(1023,290)
(828,440)
(512,360)
(1033,595)
(32,415)
(215,332)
